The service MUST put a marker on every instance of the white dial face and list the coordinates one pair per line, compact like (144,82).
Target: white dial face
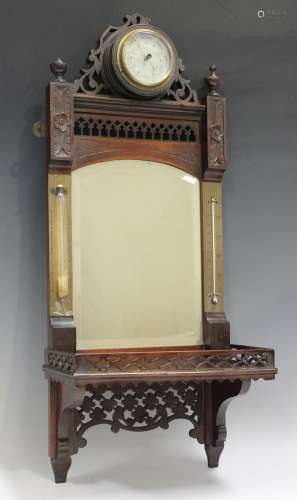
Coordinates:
(146,57)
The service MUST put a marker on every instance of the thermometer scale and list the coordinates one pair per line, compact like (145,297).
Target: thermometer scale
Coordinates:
(212,251)
(60,286)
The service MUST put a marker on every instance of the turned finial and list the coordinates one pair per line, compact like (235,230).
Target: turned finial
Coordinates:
(213,80)
(58,68)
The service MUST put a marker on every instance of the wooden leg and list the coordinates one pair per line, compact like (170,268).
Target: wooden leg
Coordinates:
(215,399)
(63,435)
(61,468)
(63,399)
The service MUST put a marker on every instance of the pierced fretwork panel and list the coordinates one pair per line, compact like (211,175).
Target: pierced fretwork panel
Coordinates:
(148,130)
(139,407)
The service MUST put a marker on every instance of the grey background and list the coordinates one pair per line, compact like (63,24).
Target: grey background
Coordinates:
(257,61)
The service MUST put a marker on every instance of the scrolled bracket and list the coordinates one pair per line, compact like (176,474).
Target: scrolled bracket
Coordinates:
(181,89)
(61,115)
(216,398)
(91,81)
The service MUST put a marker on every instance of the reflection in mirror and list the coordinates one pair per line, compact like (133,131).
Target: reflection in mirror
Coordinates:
(136,255)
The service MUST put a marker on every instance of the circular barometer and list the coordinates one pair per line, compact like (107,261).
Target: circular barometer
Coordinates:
(144,61)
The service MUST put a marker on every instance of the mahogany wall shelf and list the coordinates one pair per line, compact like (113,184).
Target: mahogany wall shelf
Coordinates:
(90,121)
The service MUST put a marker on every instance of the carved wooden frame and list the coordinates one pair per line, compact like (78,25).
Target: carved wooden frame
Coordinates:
(86,125)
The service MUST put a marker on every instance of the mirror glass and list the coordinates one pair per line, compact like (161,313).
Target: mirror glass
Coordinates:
(136,255)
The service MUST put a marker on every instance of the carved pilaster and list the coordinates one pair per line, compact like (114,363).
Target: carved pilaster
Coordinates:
(216,129)
(216,137)
(60,115)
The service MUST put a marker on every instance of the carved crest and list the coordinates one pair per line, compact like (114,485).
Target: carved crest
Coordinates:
(91,81)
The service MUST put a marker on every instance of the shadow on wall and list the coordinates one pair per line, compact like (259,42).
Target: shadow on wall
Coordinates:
(157,461)
(23,423)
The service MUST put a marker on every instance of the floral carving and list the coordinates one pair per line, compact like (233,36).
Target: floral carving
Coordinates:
(217,145)
(216,133)
(61,122)
(216,126)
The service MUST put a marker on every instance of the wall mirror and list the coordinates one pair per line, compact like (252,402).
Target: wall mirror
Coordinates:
(136,255)
(138,335)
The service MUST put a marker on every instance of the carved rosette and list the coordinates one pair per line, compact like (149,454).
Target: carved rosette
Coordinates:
(61,121)
(216,137)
